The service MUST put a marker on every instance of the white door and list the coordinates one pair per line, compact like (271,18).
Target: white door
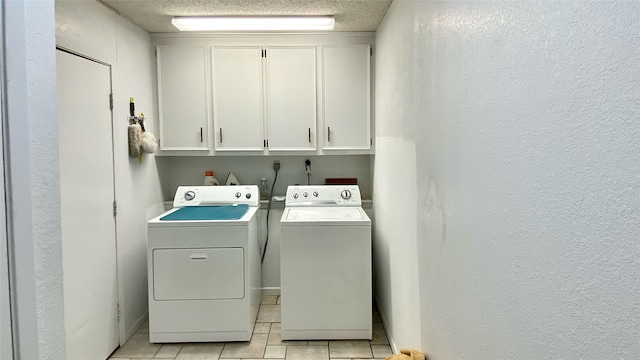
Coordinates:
(346,97)
(237,98)
(291,98)
(86,198)
(183,98)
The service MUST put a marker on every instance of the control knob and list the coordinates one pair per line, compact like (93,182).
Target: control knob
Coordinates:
(238,195)
(305,194)
(295,196)
(189,195)
(248,196)
(345,194)
(315,193)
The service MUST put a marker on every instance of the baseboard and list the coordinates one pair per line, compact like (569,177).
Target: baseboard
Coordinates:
(270,291)
(385,324)
(132,330)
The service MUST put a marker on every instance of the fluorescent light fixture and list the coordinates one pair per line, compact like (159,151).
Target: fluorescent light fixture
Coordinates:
(253,23)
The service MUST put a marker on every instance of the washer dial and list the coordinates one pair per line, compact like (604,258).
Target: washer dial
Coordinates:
(189,195)
(345,194)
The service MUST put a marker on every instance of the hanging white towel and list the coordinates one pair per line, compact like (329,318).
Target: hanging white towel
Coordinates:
(135,140)
(149,144)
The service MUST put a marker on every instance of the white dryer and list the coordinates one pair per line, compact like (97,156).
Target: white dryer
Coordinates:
(325,257)
(204,266)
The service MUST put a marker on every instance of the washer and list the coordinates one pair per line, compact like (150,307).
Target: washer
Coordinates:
(204,266)
(325,257)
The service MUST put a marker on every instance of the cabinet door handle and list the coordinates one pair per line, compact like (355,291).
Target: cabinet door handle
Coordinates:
(309,135)
(201,139)
(220,135)
(329,133)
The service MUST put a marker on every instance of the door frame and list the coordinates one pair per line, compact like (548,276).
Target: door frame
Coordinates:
(119,284)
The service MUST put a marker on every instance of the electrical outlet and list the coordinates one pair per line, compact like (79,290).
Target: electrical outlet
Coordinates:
(276,165)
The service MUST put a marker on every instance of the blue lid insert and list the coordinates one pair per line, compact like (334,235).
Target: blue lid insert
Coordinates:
(226,212)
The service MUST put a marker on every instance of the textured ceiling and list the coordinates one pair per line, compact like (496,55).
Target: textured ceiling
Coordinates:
(155,15)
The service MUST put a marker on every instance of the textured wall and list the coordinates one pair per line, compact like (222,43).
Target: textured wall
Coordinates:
(32,191)
(91,29)
(518,123)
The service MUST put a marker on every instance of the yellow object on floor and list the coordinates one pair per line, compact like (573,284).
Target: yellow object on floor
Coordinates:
(407,354)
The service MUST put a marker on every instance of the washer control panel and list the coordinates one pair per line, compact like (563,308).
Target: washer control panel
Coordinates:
(323,195)
(216,195)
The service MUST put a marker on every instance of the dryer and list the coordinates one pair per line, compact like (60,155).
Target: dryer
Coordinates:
(204,266)
(325,264)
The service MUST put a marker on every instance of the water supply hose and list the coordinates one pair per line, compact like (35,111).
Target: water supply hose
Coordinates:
(264,251)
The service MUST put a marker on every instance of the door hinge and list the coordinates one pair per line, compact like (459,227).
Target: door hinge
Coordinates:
(111,101)
(115,208)
(371,141)
(370,51)
(118,311)
(267,142)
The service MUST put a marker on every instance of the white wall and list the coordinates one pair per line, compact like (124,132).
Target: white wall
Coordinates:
(32,180)
(90,28)
(180,170)
(6,338)
(271,262)
(517,126)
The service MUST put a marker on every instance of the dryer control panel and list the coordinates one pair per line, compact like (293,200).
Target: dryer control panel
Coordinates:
(323,195)
(216,195)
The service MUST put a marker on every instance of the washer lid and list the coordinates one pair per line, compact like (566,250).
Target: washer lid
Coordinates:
(325,216)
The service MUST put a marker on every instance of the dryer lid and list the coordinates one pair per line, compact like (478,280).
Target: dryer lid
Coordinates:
(227,212)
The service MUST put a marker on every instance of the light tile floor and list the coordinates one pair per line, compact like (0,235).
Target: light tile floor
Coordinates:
(265,344)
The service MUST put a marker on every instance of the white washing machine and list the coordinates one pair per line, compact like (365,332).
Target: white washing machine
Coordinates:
(325,264)
(204,266)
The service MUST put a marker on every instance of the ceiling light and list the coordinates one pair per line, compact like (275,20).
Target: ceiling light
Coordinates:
(253,23)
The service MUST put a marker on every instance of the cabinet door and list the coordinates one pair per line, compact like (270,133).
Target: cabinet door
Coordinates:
(182,93)
(291,98)
(346,97)
(238,98)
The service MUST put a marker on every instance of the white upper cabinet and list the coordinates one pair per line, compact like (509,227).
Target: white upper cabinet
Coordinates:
(183,97)
(264,94)
(291,98)
(346,97)
(238,98)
